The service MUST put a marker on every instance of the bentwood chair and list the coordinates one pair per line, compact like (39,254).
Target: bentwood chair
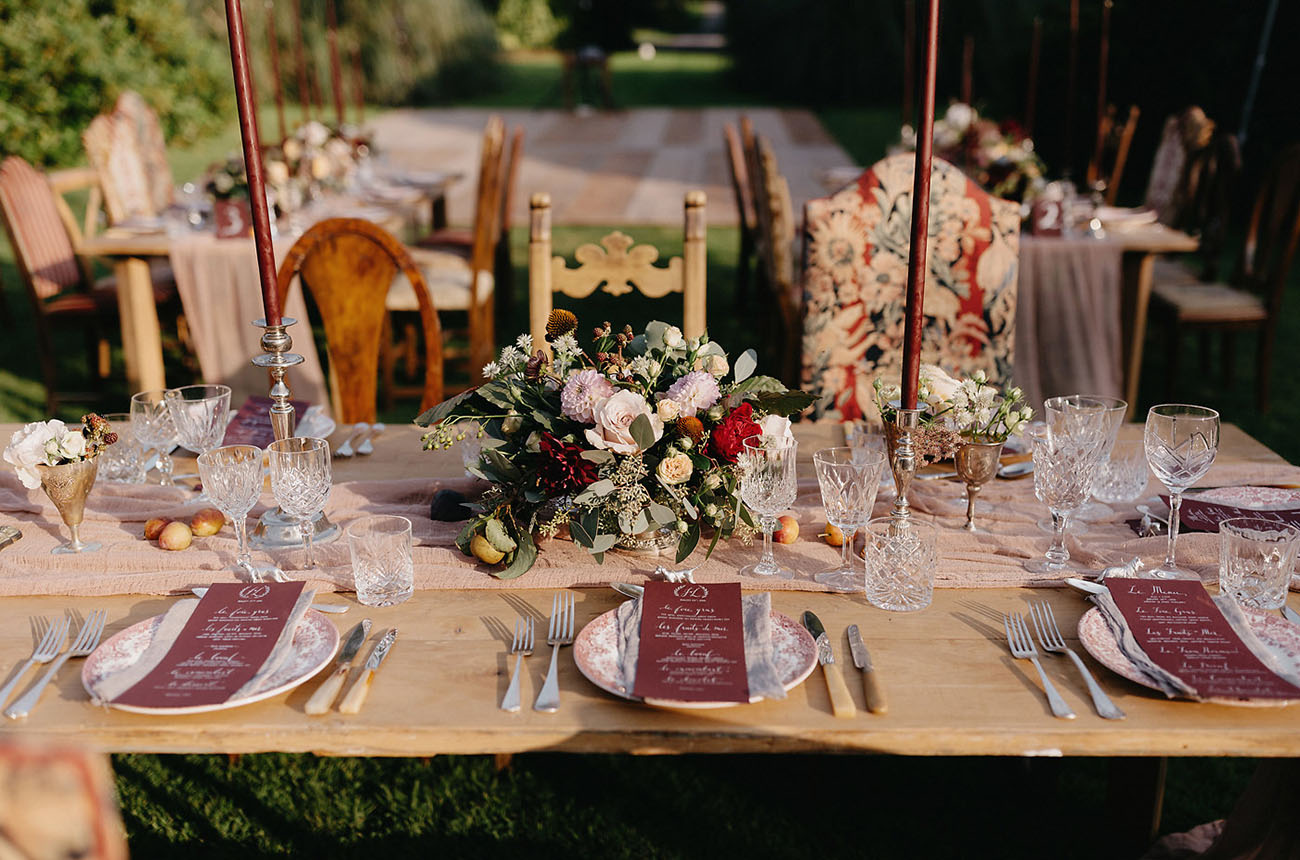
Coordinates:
(855,272)
(348,266)
(1253,299)
(60,289)
(774,215)
(1113,141)
(616,266)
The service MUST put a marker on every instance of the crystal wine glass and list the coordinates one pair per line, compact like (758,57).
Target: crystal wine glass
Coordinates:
(1181,442)
(1113,410)
(848,478)
(152,424)
(201,413)
(1065,458)
(768,486)
(300,481)
(232,477)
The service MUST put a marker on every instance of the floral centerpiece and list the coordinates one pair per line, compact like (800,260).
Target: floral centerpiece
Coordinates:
(53,443)
(639,434)
(1000,157)
(955,411)
(227,180)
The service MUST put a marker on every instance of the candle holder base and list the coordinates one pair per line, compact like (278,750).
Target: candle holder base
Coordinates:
(275,530)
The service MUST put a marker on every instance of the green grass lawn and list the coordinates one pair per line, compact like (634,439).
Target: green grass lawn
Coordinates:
(621,806)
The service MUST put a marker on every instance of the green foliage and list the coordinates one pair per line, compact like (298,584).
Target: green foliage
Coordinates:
(63,63)
(527,24)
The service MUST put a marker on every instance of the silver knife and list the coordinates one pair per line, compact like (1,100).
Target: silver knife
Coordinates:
(876,703)
(1291,614)
(325,694)
(357,695)
(841,702)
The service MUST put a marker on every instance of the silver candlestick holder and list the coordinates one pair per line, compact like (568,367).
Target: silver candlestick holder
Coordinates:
(902,457)
(275,530)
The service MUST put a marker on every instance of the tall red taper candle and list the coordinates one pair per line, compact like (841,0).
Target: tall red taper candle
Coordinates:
(336,67)
(915,313)
(300,52)
(253,160)
(274,46)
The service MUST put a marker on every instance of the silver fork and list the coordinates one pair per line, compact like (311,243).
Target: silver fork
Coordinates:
(1050,635)
(521,645)
(87,640)
(51,640)
(559,634)
(367,445)
(358,430)
(1022,648)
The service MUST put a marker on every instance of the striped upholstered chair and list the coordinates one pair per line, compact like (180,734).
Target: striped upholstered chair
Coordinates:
(855,274)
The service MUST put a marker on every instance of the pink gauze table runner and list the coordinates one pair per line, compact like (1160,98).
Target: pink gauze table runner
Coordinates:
(127,564)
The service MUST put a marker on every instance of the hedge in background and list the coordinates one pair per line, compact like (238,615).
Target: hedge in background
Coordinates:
(62,63)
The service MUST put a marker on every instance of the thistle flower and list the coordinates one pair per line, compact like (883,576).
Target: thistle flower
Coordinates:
(559,323)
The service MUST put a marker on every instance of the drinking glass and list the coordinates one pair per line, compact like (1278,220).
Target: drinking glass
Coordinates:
(768,486)
(232,477)
(849,478)
(1181,441)
(381,560)
(1065,458)
(201,413)
(901,556)
(123,461)
(300,481)
(1123,477)
(1256,557)
(152,424)
(1112,411)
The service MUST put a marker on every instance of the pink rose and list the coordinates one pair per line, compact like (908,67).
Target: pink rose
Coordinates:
(613,419)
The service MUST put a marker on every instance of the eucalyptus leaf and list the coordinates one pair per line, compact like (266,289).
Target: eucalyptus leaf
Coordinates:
(686,545)
(643,432)
(654,334)
(501,463)
(641,523)
(497,393)
(579,534)
(786,402)
(524,558)
(603,543)
(661,514)
(436,414)
(597,455)
(745,365)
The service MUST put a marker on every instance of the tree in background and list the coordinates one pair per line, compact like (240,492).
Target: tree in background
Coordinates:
(63,63)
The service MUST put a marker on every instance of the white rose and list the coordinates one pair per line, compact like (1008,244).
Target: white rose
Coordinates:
(776,427)
(73,444)
(959,116)
(673,337)
(614,417)
(940,385)
(314,133)
(718,366)
(676,469)
(27,449)
(668,410)
(320,167)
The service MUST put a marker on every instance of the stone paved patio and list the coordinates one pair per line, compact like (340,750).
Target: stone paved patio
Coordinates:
(612,168)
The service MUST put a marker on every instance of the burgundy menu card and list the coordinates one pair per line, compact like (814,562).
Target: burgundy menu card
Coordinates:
(692,643)
(226,640)
(1204,516)
(1183,632)
(252,423)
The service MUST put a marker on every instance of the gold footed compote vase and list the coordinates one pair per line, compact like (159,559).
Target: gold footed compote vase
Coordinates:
(68,485)
(977,463)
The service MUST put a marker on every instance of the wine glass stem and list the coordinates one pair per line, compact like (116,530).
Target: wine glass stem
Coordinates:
(1057,554)
(769,526)
(845,546)
(307,530)
(165,467)
(1175,502)
(243,557)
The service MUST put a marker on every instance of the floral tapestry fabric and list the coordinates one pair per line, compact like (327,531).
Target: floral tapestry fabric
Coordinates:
(855,274)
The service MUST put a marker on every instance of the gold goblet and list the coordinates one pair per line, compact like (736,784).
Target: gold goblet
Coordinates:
(67,485)
(977,463)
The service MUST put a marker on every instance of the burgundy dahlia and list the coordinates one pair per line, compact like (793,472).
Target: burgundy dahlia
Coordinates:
(562,469)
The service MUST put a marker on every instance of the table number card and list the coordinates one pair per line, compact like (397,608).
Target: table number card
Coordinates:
(226,640)
(252,423)
(1183,632)
(692,643)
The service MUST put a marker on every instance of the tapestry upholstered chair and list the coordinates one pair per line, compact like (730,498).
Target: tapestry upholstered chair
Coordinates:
(855,274)
(1253,299)
(348,265)
(617,266)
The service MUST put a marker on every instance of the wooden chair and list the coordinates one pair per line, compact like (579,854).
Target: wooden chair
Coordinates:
(348,265)
(60,289)
(616,266)
(132,111)
(1113,141)
(775,212)
(1253,301)
(457,283)
(57,802)
(855,274)
(112,149)
(740,185)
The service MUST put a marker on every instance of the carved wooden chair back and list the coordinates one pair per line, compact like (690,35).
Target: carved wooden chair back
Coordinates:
(737,168)
(856,245)
(1113,142)
(112,148)
(502,266)
(136,114)
(487,206)
(1273,233)
(776,256)
(348,264)
(617,266)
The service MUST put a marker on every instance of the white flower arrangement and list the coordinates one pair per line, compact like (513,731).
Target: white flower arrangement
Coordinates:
(53,443)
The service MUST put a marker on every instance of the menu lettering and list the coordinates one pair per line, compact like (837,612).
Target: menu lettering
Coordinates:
(225,641)
(692,643)
(1182,631)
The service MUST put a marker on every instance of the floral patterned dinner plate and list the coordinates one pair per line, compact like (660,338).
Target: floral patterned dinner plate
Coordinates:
(595,651)
(314,644)
(1272,629)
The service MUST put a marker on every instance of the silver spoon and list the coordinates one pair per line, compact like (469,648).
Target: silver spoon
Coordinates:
(375,430)
(358,430)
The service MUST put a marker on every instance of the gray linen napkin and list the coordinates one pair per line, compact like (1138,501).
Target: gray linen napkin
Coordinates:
(756,610)
(173,622)
(1279,662)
